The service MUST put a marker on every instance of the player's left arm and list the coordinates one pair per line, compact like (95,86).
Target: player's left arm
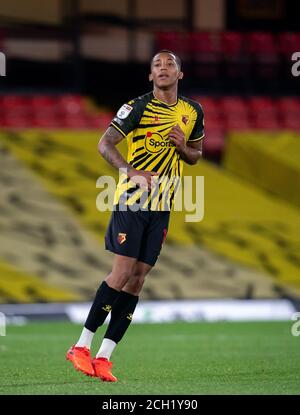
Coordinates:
(193,152)
(190,152)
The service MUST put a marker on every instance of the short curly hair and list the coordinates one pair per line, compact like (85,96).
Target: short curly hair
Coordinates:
(177,58)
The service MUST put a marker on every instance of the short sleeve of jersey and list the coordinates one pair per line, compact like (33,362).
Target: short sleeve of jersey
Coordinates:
(128,117)
(198,130)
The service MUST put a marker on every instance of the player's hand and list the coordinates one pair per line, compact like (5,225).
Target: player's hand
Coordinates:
(176,135)
(142,178)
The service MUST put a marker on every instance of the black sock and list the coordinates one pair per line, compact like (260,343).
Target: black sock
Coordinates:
(121,316)
(101,306)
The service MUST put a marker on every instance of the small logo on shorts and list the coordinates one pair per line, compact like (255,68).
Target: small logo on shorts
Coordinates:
(130,315)
(107,308)
(122,237)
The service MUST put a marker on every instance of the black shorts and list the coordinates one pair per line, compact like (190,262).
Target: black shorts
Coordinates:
(138,234)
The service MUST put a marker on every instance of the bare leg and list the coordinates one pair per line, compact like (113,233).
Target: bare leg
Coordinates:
(123,268)
(136,281)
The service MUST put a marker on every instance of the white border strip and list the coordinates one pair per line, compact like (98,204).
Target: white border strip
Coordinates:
(202,310)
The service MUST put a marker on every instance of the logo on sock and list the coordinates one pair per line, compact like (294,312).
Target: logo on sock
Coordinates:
(130,316)
(107,308)
(122,237)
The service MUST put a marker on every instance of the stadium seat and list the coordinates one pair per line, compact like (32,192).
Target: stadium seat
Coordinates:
(92,122)
(206,53)
(263,113)
(237,122)
(71,104)
(174,41)
(291,122)
(74,121)
(233,105)
(235,54)
(234,59)
(231,44)
(260,43)
(16,112)
(264,54)
(42,111)
(288,105)
(213,143)
(13,101)
(263,121)
(209,104)
(226,113)
(104,119)
(213,120)
(288,43)
(45,120)
(262,106)
(16,121)
(14,105)
(42,101)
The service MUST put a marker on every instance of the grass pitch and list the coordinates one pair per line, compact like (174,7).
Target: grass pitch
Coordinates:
(173,359)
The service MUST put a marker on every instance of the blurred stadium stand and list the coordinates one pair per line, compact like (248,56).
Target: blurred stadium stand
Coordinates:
(222,115)
(51,111)
(70,65)
(247,240)
(93,47)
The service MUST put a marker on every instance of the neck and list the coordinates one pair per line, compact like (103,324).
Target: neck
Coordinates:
(167,96)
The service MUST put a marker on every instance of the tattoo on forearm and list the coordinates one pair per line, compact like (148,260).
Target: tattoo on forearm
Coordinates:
(108,150)
(113,157)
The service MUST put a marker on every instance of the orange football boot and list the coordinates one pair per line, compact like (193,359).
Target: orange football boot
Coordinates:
(102,368)
(81,359)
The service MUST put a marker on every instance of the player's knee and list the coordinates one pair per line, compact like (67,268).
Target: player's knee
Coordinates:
(135,284)
(118,279)
(138,280)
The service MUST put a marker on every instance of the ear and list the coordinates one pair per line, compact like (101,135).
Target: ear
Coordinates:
(150,77)
(180,76)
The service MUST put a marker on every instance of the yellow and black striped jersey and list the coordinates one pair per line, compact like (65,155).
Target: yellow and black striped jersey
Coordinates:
(146,123)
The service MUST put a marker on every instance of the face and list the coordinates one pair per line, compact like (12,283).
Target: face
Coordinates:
(164,70)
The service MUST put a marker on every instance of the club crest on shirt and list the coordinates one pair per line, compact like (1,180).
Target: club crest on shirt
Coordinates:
(122,237)
(185,119)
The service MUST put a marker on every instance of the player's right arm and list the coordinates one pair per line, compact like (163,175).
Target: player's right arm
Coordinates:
(107,148)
